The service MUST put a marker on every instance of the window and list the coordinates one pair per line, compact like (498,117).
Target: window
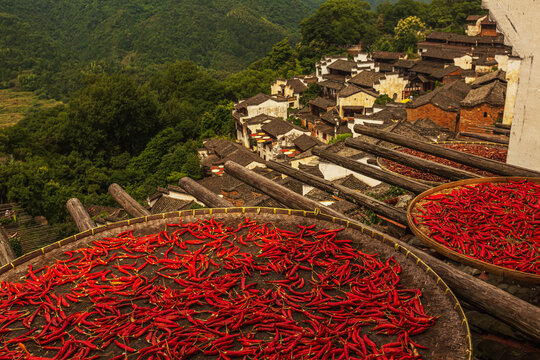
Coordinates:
(485,114)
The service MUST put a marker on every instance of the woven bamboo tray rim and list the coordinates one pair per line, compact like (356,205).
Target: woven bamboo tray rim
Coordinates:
(479,264)
(381,161)
(280,212)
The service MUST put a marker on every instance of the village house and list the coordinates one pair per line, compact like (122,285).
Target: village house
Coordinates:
(171,198)
(386,116)
(384,60)
(321,105)
(260,104)
(440,105)
(481,25)
(355,100)
(218,151)
(391,84)
(484,104)
(289,90)
(340,68)
(282,135)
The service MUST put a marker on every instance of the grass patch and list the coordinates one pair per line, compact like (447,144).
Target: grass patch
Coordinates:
(15,105)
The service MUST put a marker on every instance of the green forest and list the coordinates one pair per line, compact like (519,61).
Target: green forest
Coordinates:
(143,82)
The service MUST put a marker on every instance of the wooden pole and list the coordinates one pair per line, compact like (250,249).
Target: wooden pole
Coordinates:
(129,204)
(371,171)
(202,194)
(80,215)
(503,126)
(490,138)
(278,192)
(478,162)
(355,197)
(412,161)
(504,132)
(513,311)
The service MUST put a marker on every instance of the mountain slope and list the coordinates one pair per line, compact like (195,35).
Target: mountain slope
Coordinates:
(225,34)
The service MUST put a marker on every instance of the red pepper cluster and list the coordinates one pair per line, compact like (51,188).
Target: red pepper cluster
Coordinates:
(496,223)
(204,289)
(486,151)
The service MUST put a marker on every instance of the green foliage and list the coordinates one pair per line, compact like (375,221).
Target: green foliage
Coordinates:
(340,137)
(340,23)
(383,99)
(111,114)
(314,90)
(408,32)
(453,13)
(16,247)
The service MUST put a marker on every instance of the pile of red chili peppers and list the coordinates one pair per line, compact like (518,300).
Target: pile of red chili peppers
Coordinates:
(489,152)
(498,223)
(206,290)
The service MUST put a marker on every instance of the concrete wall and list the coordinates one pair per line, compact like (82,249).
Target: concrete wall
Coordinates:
(518,21)
(464,62)
(392,85)
(512,79)
(269,107)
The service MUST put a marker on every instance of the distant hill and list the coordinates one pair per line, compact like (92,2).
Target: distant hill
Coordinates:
(225,34)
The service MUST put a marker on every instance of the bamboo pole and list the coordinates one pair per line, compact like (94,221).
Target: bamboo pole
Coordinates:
(490,138)
(478,162)
(355,197)
(511,310)
(371,171)
(202,194)
(276,191)
(80,215)
(129,204)
(412,161)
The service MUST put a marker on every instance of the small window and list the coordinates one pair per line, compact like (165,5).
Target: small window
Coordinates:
(485,114)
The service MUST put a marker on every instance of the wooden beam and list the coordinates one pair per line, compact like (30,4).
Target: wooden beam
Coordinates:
(412,161)
(489,138)
(202,194)
(129,204)
(478,162)
(498,131)
(355,197)
(503,126)
(513,311)
(80,215)
(278,192)
(372,172)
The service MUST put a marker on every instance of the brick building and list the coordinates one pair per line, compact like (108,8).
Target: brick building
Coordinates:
(483,106)
(441,105)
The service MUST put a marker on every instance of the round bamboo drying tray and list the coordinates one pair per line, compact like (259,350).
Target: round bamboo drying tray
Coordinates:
(448,339)
(382,162)
(482,265)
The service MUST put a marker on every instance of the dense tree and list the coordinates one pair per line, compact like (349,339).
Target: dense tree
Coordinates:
(314,90)
(408,32)
(111,115)
(340,23)
(391,13)
(451,14)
